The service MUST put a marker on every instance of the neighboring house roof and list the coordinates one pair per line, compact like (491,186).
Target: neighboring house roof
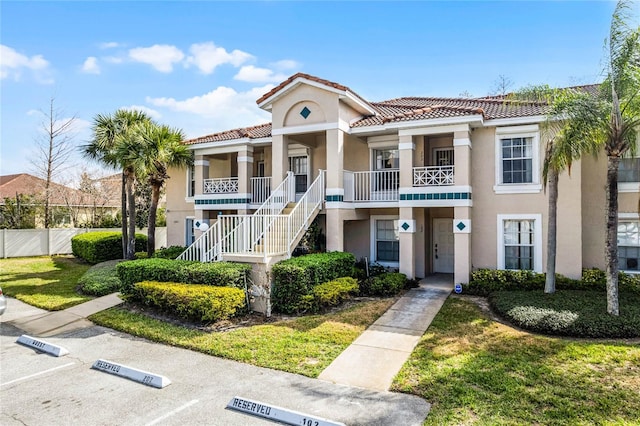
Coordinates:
(26,184)
(403,110)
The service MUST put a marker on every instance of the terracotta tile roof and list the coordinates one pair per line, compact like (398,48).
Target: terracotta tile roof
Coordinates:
(407,109)
(254,132)
(312,78)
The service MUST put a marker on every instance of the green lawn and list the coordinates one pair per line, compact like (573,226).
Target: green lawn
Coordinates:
(478,371)
(305,345)
(45,282)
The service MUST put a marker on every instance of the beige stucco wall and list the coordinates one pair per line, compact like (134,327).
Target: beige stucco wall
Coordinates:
(177,207)
(286,109)
(487,205)
(356,154)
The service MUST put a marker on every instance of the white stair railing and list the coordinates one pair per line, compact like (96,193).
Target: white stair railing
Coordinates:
(309,204)
(206,248)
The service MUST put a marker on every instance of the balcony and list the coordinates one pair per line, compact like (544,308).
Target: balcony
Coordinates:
(260,187)
(383,185)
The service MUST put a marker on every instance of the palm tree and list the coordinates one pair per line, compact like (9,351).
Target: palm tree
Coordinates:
(609,120)
(160,148)
(110,132)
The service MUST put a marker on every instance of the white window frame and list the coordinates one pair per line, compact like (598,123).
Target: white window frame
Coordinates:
(189,196)
(537,238)
(628,186)
(627,217)
(373,246)
(529,131)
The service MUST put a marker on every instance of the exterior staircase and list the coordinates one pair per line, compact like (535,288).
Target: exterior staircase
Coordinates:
(269,234)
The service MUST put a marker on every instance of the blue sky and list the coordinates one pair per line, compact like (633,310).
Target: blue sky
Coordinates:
(200,66)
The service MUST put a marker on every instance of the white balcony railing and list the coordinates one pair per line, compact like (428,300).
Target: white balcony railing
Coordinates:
(433,176)
(377,185)
(221,185)
(260,189)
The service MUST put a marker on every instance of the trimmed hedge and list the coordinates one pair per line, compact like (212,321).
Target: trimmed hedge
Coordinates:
(203,303)
(101,279)
(334,292)
(486,281)
(96,247)
(226,274)
(171,252)
(576,313)
(387,284)
(295,278)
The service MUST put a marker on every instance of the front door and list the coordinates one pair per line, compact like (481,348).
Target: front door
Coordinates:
(443,248)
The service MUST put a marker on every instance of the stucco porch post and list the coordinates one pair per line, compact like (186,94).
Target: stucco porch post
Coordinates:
(279,159)
(201,172)
(462,215)
(406,222)
(334,194)
(245,173)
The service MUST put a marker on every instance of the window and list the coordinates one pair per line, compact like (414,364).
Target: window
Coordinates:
(517,160)
(386,159)
(629,245)
(629,170)
(299,167)
(520,242)
(386,244)
(443,156)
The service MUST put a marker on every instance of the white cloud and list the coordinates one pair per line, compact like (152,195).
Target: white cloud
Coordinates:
(149,111)
(207,57)
(224,106)
(13,63)
(160,56)
(113,59)
(90,65)
(286,64)
(109,45)
(258,75)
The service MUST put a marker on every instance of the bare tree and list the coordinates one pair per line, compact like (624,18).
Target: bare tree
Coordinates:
(501,86)
(53,151)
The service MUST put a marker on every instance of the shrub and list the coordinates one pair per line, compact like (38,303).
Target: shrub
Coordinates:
(294,279)
(194,302)
(577,313)
(96,247)
(141,255)
(485,281)
(226,274)
(334,292)
(388,284)
(100,279)
(171,252)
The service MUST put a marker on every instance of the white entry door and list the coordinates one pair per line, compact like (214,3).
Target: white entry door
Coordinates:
(443,248)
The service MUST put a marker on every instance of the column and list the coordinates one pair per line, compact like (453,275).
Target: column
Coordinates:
(406,147)
(462,155)
(462,242)
(335,230)
(245,173)
(407,236)
(201,172)
(335,165)
(279,159)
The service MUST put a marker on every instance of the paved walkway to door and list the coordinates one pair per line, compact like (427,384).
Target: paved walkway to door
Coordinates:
(374,358)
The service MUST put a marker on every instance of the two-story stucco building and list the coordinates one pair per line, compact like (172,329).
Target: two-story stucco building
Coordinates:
(427,185)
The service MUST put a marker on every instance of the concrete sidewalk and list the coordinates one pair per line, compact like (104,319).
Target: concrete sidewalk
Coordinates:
(374,358)
(43,323)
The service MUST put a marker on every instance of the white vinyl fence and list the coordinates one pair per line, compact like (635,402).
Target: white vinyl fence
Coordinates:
(43,242)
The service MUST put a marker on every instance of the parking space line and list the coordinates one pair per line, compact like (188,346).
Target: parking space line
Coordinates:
(38,374)
(172,412)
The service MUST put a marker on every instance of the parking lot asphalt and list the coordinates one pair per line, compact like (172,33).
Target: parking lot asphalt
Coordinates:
(39,389)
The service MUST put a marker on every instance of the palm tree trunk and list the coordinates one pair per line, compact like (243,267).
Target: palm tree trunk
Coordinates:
(550,282)
(151,226)
(611,250)
(131,240)
(123,197)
